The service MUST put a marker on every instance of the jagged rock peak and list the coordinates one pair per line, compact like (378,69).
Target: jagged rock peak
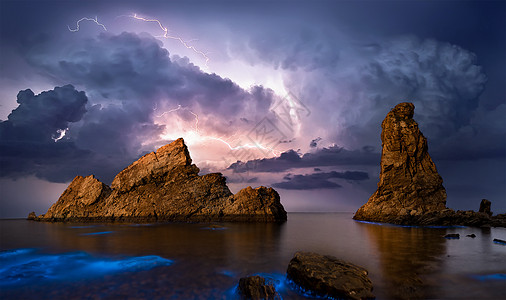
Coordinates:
(164,186)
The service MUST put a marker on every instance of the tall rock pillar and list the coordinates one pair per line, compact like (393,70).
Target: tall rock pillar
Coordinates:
(409,184)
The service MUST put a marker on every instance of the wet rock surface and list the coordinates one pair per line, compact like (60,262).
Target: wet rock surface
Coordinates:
(410,190)
(164,186)
(255,288)
(327,276)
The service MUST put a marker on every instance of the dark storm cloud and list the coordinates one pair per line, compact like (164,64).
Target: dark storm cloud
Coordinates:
(27,138)
(136,71)
(128,79)
(318,180)
(363,77)
(332,156)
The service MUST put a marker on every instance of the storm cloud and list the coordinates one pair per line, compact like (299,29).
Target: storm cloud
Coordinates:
(331,156)
(130,83)
(318,180)
(29,142)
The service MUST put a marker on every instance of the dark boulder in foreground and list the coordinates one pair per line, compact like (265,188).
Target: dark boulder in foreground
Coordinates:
(164,186)
(327,276)
(255,288)
(410,190)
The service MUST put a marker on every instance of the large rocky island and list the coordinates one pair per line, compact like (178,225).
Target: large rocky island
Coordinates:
(163,186)
(410,190)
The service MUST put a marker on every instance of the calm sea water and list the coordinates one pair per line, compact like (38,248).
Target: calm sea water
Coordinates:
(205,261)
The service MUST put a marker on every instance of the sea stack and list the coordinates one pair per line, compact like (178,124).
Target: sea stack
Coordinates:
(164,186)
(409,185)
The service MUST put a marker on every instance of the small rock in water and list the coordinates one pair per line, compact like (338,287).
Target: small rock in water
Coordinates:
(452,236)
(327,276)
(499,241)
(472,235)
(32,216)
(254,287)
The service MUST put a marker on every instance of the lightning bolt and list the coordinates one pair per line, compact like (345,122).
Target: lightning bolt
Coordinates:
(60,133)
(179,107)
(86,19)
(167,36)
(219,139)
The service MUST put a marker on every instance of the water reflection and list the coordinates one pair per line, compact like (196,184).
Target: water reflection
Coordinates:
(409,257)
(208,259)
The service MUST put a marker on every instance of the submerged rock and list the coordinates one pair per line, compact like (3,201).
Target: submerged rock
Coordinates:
(255,288)
(327,276)
(410,190)
(164,186)
(452,236)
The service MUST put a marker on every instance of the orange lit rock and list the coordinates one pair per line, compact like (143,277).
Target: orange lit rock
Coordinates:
(410,190)
(164,186)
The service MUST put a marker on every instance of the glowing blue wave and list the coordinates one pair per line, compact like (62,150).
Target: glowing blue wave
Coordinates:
(27,266)
(498,276)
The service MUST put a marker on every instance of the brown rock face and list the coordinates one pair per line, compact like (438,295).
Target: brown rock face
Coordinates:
(329,277)
(410,190)
(409,182)
(164,186)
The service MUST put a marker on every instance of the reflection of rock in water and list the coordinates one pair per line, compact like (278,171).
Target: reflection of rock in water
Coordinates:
(408,259)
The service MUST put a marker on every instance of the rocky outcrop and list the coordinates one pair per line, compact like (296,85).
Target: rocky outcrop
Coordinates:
(32,216)
(409,182)
(327,276)
(485,207)
(410,190)
(164,186)
(255,288)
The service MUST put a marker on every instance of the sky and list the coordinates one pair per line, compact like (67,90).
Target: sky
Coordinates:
(288,94)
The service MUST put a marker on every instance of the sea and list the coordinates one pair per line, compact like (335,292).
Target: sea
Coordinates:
(206,260)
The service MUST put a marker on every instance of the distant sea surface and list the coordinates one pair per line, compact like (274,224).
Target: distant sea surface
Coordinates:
(206,260)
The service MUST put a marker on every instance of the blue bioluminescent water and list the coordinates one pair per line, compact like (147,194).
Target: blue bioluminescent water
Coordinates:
(227,273)
(408,226)
(97,233)
(499,242)
(498,276)
(84,226)
(24,266)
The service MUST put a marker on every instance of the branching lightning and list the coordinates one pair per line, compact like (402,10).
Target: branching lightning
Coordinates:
(167,36)
(86,19)
(214,138)
(196,131)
